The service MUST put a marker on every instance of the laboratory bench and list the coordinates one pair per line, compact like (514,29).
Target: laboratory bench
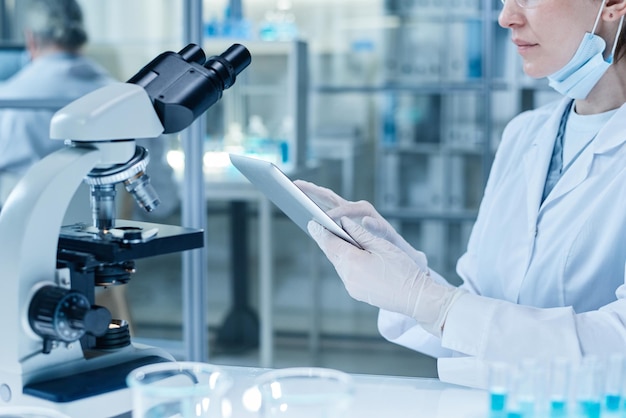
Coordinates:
(374,396)
(379,396)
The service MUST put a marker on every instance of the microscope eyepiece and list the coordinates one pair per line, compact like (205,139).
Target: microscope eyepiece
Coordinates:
(238,56)
(230,63)
(193,53)
(182,86)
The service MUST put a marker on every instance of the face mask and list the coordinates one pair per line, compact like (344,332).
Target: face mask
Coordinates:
(587,66)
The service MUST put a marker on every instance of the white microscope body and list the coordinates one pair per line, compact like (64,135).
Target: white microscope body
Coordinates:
(42,361)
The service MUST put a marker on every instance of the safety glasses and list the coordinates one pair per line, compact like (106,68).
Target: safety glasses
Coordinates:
(525,4)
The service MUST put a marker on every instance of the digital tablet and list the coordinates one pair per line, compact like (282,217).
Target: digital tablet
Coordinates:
(281,191)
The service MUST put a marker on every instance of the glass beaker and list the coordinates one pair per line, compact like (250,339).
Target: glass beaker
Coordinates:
(305,392)
(178,389)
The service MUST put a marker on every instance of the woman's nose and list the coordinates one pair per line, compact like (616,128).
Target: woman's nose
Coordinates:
(510,14)
(504,18)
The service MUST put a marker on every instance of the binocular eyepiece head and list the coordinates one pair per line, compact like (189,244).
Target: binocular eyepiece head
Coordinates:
(183,85)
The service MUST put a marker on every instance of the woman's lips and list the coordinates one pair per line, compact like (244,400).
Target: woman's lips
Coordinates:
(523,46)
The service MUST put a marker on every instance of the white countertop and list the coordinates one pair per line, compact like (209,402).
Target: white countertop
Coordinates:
(384,396)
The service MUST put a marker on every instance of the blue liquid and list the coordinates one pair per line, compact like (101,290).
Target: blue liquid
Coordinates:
(589,409)
(498,401)
(474,49)
(284,151)
(558,409)
(612,402)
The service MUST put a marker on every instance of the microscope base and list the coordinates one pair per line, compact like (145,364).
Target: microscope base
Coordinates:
(87,384)
(94,388)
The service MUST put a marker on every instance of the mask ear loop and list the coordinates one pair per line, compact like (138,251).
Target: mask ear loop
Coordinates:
(619,31)
(595,24)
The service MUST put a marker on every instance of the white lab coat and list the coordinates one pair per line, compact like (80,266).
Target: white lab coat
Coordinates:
(544,279)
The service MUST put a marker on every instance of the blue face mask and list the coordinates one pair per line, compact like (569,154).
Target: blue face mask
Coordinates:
(587,66)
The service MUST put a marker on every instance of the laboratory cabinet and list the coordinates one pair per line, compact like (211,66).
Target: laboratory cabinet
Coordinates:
(433,158)
(265,112)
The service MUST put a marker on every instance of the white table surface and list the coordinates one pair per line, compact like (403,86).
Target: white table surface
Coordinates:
(383,397)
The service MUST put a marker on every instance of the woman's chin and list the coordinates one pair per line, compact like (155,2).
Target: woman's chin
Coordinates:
(533,72)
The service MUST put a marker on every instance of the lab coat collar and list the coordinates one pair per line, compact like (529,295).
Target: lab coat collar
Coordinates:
(611,135)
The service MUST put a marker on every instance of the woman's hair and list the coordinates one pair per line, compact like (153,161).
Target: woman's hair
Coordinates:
(56,22)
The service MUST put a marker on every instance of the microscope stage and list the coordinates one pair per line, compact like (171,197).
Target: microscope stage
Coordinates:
(115,247)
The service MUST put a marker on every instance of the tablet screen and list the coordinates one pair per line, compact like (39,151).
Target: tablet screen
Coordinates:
(281,191)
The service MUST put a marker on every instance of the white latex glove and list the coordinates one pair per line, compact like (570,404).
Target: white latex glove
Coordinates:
(385,276)
(362,212)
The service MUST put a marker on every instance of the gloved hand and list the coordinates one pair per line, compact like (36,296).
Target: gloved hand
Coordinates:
(385,276)
(361,212)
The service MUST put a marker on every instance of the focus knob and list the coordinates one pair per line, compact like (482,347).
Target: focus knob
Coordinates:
(58,314)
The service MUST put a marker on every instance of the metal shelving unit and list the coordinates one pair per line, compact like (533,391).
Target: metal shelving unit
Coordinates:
(275,89)
(434,135)
(431,174)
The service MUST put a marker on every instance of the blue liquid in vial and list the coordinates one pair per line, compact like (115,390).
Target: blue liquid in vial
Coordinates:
(558,409)
(589,409)
(498,400)
(498,403)
(612,402)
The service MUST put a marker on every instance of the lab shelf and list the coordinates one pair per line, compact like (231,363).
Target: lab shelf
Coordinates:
(273,90)
(411,214)
(464,149)
(435,128)
(423,88)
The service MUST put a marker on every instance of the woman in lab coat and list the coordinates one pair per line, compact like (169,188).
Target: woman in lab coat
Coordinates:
(543,275)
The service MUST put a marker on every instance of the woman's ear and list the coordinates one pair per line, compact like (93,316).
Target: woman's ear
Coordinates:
(614,10)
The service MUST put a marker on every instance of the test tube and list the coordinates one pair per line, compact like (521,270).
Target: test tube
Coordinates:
(499,387)
(515,408)
(528,389)
(559,387)
(614,382)
(590,387)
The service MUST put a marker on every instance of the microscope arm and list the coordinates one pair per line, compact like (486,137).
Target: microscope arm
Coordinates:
(29,229)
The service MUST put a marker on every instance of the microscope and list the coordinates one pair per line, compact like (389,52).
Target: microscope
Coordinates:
(59,349)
